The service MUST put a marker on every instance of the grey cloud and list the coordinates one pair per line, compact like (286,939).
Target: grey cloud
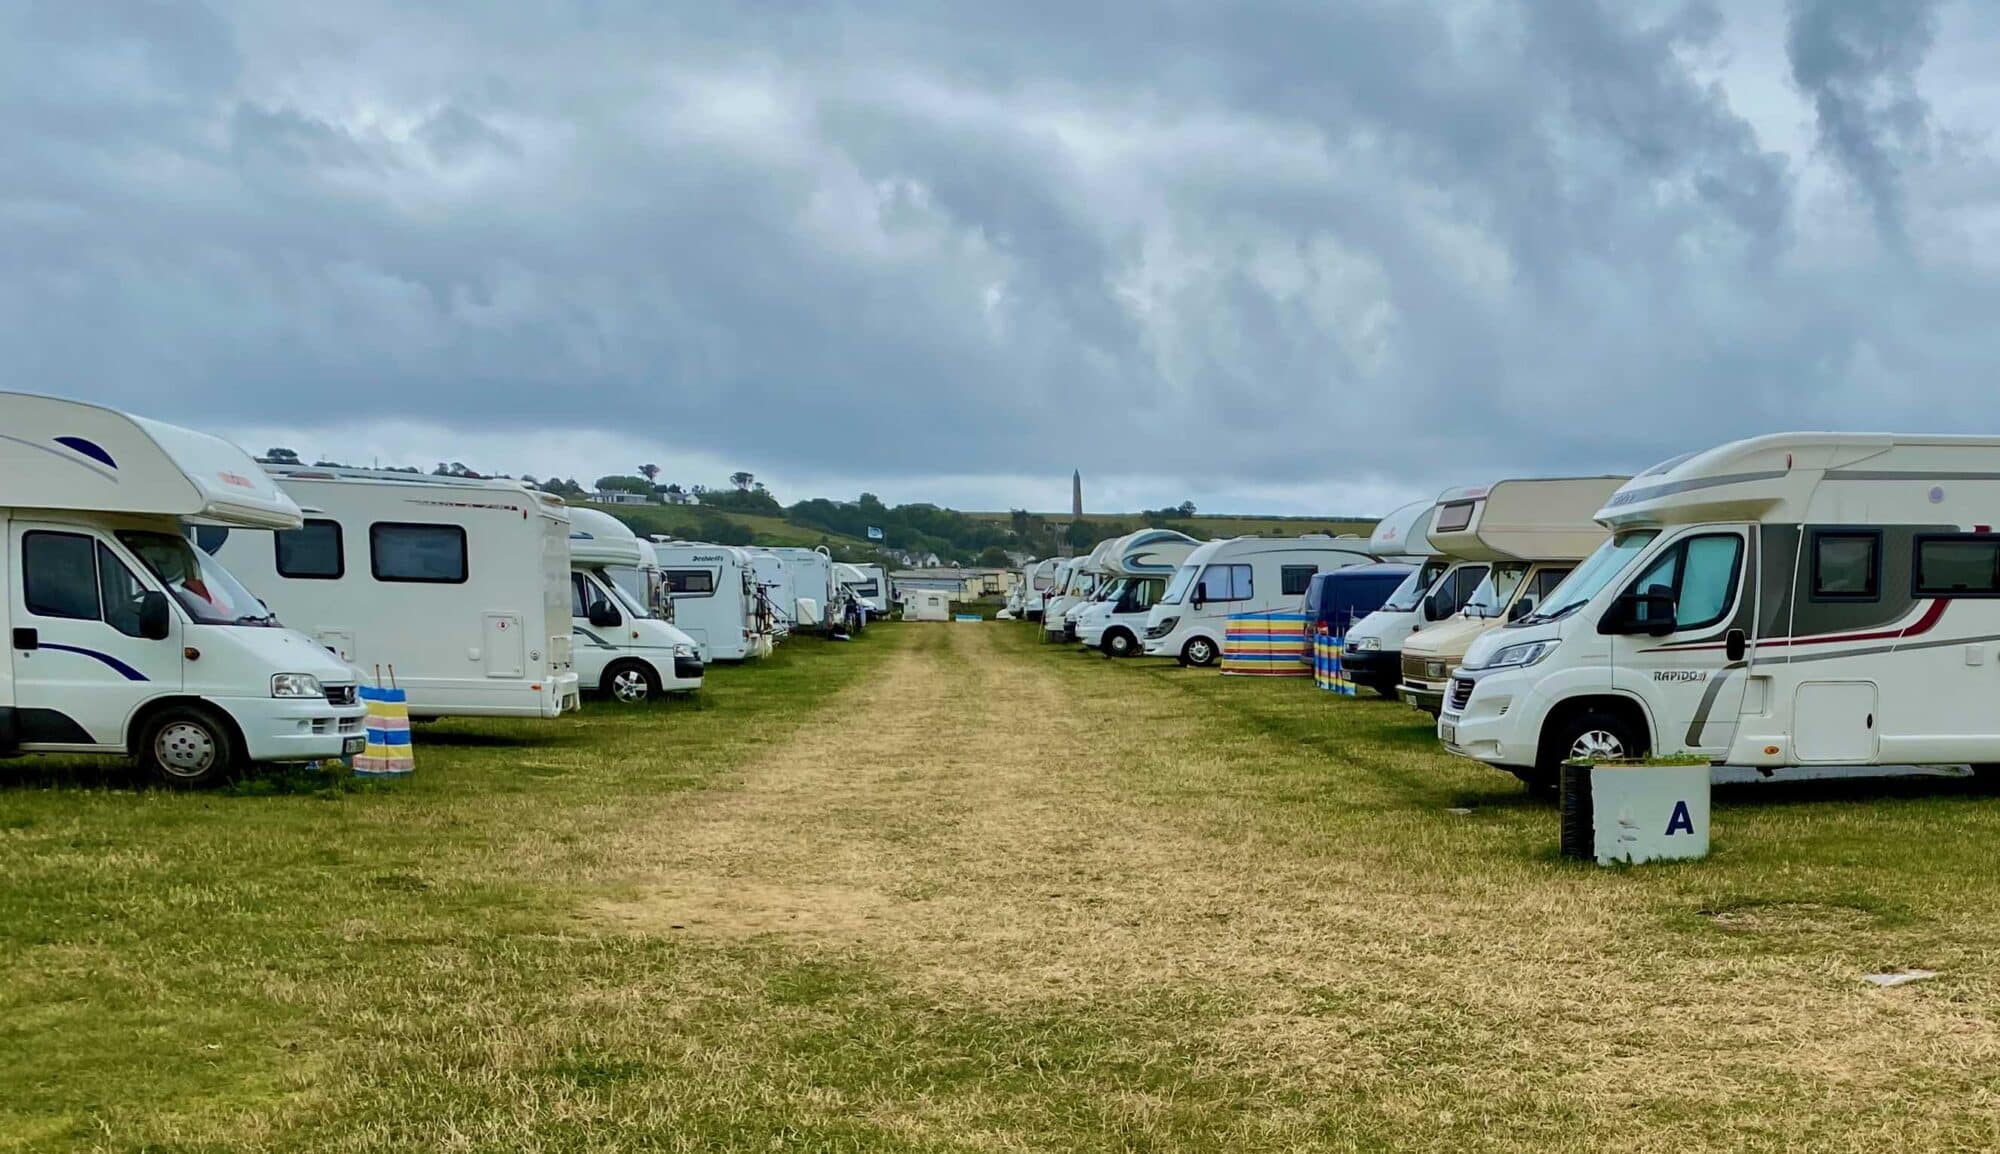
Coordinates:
(1857,60)
(1263,244)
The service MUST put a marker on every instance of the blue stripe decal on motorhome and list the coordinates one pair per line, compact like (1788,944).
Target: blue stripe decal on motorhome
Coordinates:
(108,474)
(88,448)
(130,673)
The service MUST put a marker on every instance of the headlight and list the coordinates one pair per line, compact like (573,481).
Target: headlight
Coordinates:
(1520,656)
(683,650)
(295,685)
(1365,644)
(1165,627)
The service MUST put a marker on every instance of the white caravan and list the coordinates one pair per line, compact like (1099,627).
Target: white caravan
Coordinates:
(1085,575)
(820,600)
(461,585)
(123,637)
(1801,601)
(776,591)
(1141,565)
(1530,533)
(1373,654)
(868,585)
(1239,575)
(715,597)
(624,648)
(1039,582)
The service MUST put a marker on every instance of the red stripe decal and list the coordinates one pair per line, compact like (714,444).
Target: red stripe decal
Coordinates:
(1932,615)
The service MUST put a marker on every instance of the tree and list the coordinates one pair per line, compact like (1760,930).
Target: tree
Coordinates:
(1080,534)
(281,456)
(1022,521)
(622,483)
(650,472)
(994,557)
(742,480)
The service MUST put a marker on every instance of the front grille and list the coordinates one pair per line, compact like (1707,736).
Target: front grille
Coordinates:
(340,695)
(1413,666)
(1461,692)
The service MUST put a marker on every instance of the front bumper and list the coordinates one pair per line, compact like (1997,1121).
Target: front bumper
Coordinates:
(1373,668)
(1500,726)
(294,728)
(1425,695)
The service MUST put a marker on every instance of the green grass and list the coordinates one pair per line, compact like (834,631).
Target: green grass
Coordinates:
(948,887)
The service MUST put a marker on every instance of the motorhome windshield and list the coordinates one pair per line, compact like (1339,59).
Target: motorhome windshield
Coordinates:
(1411,592)
(1494,593)
(1138,595)
(1178,587)
(198,581)
(1598,570)
(1110,590)
(615,578)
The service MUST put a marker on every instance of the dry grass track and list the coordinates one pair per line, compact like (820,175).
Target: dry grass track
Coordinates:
(951,889)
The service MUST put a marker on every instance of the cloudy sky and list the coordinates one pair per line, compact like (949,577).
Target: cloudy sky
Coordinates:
(1285,255)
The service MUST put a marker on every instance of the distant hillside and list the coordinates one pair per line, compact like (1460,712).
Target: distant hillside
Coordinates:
(1224,524)
(698,523)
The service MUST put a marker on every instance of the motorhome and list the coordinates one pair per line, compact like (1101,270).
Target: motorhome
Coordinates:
(1140,566)
(869,586)
(124,639)
(460,586)
(1239,575)
(819,599)
(625,649)
(1791,603)
(715,596)
(1038,583)
(1335,601)
(1529,533)
(1086,574)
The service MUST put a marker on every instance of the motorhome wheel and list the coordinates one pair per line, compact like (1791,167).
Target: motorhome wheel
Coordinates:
(1119,643)
(1200,651)
(631,682)
(186,747)
(1588,736)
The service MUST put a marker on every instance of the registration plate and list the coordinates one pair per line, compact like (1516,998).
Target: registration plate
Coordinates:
(352,745)
(1448,732)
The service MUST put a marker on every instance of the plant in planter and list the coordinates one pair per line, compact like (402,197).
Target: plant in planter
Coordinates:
(1639,810)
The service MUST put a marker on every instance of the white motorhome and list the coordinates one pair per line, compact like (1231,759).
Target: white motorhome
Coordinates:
(1039,582)
(1373,654)
(868,585)
(1799,601)
(624,648)
(776,583)
(1239,575)
(1140,566)
(716,599)
(461,585)
(1081,582)
(819,599)
(1529,533)
(123,637)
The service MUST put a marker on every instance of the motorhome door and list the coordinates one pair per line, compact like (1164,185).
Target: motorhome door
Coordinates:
(1692,678)
(81,663)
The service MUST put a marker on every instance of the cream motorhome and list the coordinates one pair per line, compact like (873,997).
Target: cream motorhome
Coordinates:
(624,649)
(462,585)
(122,637)
(1140,566)
(1239,575)
(1529,534)
(1799,601)
(716,600)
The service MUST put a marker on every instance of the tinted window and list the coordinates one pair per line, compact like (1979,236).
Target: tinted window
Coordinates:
(579,596)
(59,575)
(1226,583)
(425,553)
(120,591)
(1948,566)
(1846,566)
(1700,574)
(1454,517)
(312,552)
(1295,579)
(699,582)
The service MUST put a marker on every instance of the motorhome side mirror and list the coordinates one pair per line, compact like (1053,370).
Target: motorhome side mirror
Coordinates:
(1651,614)
(1735,645)
(1438,606)
(604,615)
(155,620)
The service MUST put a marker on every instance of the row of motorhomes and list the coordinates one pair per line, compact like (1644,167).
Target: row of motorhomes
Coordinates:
(1788,605)
(169,597)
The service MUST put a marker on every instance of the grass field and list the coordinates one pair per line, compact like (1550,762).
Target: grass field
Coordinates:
(948,888)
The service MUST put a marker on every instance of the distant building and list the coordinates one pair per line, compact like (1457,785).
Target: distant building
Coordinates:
(620,497)
(1076,494)
(964,584)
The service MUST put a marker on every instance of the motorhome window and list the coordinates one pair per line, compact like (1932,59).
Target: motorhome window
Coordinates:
(1452,518)
(1847,567)
(1496,592)
(426,554)
(1546,582)
(209,593)
(1177,589)
(120,591)
(59,576)
(1700,574)
(1464,582)
(632,605)
(1315,593)
(1961,566)
(690,582)
(1598,570)
(1226,583)
(1411,591)
(311,553)
(579,595)
(1296,579)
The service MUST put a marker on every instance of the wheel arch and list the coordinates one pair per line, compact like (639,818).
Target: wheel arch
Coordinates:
(1615,702)
(143,716)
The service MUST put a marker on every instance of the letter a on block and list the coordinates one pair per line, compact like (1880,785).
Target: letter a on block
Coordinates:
(1681,821)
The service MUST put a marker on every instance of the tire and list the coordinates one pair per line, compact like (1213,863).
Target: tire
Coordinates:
(187,747)
(631,682)
(1592,734)
(1119,643)
(1390,694)
(1199,652)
